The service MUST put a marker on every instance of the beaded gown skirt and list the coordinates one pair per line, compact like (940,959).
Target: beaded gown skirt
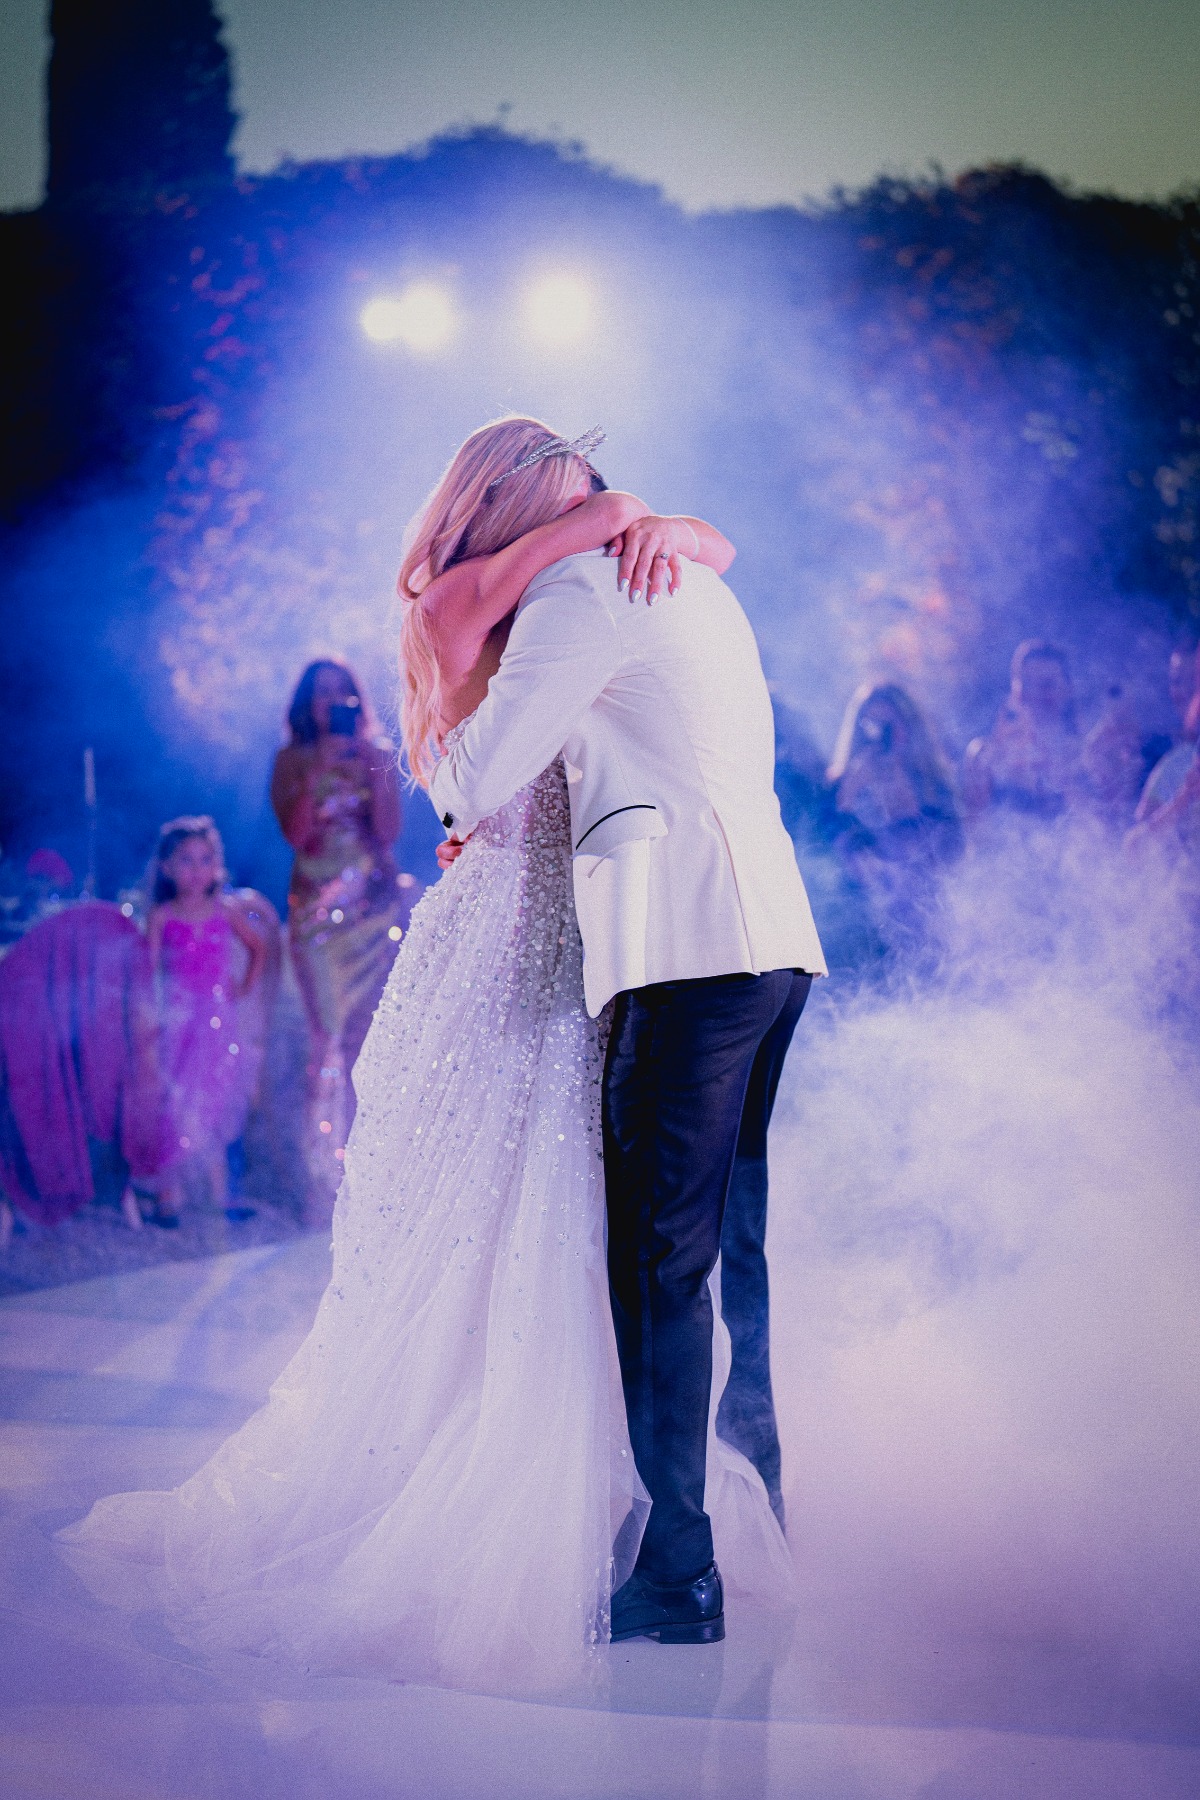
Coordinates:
(435,1486)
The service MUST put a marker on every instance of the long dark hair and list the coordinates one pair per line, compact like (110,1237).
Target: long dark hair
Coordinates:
(171,835)
(926,768)
(301,723)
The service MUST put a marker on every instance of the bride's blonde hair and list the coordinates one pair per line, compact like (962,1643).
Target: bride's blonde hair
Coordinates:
(471,512)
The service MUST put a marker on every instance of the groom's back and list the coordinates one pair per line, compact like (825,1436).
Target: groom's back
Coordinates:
(694,659)
(677,756)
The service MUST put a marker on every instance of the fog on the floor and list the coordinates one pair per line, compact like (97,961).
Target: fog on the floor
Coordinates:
(984,1237)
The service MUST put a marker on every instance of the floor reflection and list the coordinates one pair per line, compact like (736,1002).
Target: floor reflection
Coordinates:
(128,1382)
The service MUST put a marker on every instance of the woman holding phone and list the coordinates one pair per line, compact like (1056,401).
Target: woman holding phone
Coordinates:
(336,792)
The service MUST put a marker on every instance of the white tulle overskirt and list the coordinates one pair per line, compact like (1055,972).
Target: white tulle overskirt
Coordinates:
(440,1487)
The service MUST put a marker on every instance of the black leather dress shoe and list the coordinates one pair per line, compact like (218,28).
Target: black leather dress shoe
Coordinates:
(676,1612)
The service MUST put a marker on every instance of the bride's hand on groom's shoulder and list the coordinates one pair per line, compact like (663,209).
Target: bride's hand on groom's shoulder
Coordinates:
(649,552)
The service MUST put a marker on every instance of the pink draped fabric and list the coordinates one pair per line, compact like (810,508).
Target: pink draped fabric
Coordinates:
(77,1058)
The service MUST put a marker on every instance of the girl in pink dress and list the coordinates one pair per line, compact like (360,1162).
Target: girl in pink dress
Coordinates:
(207,959)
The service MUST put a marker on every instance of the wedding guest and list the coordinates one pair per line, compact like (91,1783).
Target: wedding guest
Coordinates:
(336,794)
(1173,828)
(1164,852)
(800,781)
(1171,771)
(195,931)
(895,817)
(1113,761)
(256,1016)
(1030,760)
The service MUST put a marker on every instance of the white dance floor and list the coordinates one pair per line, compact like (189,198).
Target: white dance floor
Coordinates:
(127,1382)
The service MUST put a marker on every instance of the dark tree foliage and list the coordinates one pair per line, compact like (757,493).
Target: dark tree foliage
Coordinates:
(139,115)
(920,410)
(1003,281)
(139,95)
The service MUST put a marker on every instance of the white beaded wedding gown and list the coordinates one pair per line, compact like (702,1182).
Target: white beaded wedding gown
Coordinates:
(436,1483)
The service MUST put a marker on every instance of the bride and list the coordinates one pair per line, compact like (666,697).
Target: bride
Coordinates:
(440,1486)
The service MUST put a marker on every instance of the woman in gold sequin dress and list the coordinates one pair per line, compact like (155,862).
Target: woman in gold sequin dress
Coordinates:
(440,1486)
(336,794)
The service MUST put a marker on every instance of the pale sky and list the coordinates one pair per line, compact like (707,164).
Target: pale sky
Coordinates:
(722,105)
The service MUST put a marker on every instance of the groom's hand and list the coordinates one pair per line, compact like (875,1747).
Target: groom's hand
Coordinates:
(450,850)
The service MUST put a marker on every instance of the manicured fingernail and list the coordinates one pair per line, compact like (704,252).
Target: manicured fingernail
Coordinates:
(621,584)
(636,594)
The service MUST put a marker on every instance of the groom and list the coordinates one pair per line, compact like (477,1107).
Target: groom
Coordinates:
(694,918)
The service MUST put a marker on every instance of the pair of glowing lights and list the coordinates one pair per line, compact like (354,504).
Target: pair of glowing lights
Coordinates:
(557,310)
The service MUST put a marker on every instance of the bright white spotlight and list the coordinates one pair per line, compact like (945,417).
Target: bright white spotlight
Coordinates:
(380,319)
(559,309)
(421,318)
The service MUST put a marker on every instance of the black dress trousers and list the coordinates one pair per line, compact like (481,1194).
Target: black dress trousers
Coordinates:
(679,1062)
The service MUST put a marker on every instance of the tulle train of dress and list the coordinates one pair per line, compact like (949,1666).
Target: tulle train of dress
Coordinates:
(434,1488)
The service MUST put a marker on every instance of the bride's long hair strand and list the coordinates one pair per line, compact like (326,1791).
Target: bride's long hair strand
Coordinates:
(469,513)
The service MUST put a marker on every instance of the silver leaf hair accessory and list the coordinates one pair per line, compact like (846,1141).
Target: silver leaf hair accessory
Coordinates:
(582,446)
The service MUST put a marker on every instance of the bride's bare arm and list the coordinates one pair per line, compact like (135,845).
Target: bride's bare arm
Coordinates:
(469,600)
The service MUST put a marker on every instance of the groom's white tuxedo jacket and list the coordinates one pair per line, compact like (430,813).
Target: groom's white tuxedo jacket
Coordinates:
(682,865)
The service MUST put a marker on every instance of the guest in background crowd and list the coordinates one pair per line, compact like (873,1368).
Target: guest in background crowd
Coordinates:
(1173,826)
(256,1021)
(895,817)
(336,794)
(1029,761)
(805,798)
(801,782)
(195,932)
(1113,761)
(1171,771)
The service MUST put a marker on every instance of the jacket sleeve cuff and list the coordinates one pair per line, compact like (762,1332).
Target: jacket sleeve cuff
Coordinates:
(447,802)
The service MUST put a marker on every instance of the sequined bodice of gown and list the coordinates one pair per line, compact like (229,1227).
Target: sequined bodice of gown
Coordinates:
(436,1485)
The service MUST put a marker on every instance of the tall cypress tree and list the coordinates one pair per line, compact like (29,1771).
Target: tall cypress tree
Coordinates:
(139,96)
